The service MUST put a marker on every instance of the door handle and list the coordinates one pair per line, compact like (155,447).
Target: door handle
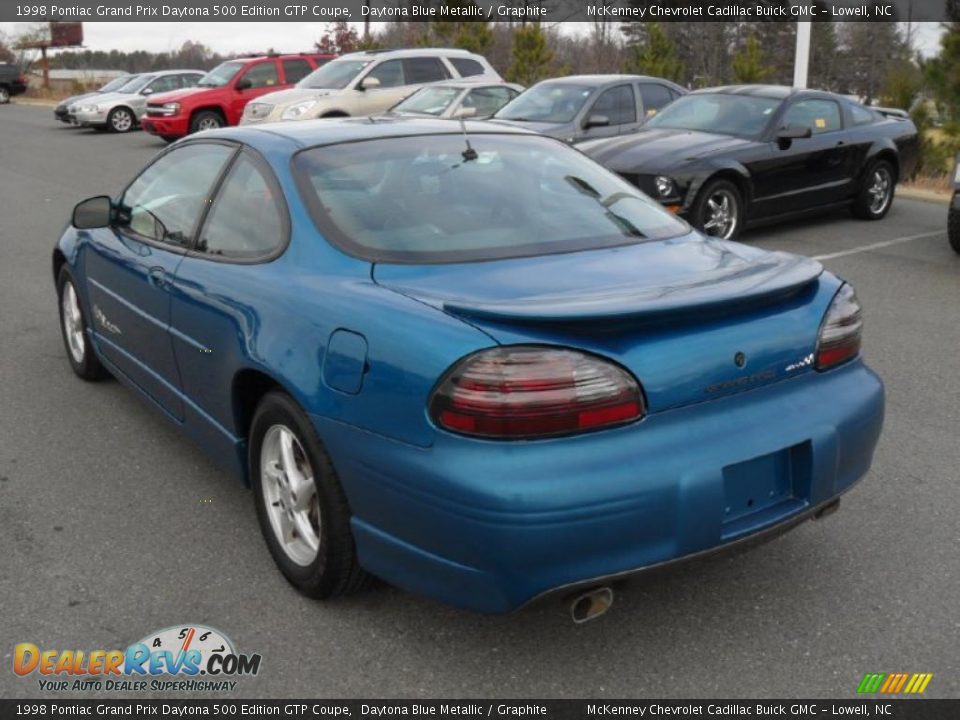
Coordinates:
(157,277)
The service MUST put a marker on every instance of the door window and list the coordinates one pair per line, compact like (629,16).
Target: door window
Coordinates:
(165,202)
(246,220)
(821,116)
(295,70)
(617,104)
(423,70)
(165,84)
(654,98)
(188,80)
(262,75)
(389,73)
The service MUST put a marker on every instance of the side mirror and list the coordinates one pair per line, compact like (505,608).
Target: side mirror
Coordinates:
(794,132)
(243,84)
(596,121)
(369,83)
(92,213)
(465,112)
(147,91)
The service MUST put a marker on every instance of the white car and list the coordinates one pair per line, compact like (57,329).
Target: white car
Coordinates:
(367,83)
(121,111)
(458,99)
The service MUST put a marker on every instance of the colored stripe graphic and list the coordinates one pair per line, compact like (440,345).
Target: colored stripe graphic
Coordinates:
(894,683)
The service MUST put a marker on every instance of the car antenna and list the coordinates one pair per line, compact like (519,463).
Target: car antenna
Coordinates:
(469,153)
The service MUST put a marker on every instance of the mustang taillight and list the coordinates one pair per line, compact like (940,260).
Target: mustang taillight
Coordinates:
(840,331)
(519,392)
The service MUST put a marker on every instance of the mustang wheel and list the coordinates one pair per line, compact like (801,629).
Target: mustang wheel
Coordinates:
(876,193)
(718,210)
(206,120)
(953,226)
(302,509)
(120,120)
(73,326)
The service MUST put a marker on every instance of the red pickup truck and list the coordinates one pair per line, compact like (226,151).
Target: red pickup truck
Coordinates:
(220,96)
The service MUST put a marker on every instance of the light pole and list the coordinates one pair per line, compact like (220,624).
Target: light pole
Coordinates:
(801,61)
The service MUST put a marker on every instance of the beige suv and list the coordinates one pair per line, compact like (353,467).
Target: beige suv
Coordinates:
(365,83)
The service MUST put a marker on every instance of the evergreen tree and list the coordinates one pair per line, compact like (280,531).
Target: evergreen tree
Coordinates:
(655,54)
(532,56)
(748,63)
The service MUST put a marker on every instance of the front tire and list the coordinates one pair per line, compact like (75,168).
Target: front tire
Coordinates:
(4,95)
(953,225)
(74,329)
(121,120)
(302,509)
(876,192)
(206,120)
(719,210)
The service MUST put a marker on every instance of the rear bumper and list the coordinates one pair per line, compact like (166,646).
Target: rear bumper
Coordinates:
(490,526)
(176,126)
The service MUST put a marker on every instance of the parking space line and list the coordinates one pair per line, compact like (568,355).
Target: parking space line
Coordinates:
(877,245)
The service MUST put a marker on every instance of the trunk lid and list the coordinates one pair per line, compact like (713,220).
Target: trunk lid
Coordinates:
(679,313)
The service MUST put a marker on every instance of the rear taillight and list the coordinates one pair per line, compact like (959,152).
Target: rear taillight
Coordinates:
(533,392)
(840,331)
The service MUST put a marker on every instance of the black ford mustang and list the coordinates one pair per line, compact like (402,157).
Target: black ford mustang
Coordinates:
(729,157)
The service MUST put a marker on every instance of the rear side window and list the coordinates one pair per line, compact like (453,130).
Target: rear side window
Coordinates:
(654,98)
(861,116)
(165,202)
(246,220)
(424,70)
(466,66)
(296,70)
(262,75)
(618,104)
(425,199)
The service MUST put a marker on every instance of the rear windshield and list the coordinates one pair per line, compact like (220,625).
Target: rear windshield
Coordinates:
(428,199)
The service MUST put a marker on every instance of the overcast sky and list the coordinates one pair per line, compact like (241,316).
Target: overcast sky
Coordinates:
(282,36)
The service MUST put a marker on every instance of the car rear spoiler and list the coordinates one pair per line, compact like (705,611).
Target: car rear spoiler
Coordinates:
(893,113)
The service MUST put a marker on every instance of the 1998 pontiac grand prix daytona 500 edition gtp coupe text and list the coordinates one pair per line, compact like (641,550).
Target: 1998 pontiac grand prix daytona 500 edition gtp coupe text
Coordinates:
(469,361)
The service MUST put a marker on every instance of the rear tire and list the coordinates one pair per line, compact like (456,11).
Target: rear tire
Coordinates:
(74,330)
(953,226)
(206,120)
(301,506)
(876,191)
(719,210)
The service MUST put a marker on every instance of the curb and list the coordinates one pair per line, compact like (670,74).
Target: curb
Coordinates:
(36,102)
(924,195)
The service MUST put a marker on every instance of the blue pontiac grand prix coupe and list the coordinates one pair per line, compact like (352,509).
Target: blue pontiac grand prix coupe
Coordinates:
(467,359)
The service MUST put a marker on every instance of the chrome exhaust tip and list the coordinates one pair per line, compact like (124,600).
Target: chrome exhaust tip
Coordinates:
(591,604)
(827,510)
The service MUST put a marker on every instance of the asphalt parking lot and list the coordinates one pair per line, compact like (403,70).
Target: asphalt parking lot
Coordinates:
(112,525)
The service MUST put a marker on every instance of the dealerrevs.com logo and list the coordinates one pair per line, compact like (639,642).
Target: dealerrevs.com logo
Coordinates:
(187,658)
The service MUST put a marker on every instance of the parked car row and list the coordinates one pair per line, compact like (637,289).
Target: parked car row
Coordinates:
(722,158)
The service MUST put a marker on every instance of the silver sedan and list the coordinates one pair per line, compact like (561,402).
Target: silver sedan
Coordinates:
(121,111)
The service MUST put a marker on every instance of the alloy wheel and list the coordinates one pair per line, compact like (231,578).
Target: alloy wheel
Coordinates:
(290,495)
(73,323)
(121,121)
(722,215)
(4,96)
(881,183)
(208,123)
